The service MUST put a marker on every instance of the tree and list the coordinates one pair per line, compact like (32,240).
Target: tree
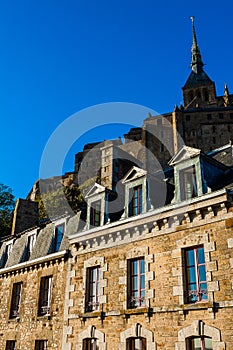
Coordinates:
(7,203)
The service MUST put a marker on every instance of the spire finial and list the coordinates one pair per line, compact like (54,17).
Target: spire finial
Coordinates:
(196,63)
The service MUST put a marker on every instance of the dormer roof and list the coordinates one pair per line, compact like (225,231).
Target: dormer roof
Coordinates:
(95,189)
(183,154)
(133,174)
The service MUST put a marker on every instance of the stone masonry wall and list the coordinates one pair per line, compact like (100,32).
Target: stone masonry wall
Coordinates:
(30,327)
(166,318)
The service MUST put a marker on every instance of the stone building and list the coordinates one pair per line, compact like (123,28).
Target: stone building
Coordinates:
(33,268)
(157,278)
(152,266)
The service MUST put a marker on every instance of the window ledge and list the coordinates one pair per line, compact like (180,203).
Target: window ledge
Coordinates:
(43,317)
(198,305)
(14,319)
(92,314)
(139,310)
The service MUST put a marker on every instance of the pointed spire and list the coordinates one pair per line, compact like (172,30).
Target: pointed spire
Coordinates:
(196,63)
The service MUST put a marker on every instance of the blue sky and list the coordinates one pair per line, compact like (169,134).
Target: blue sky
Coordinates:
(61,56)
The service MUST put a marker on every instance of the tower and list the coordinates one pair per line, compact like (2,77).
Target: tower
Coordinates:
(199,89)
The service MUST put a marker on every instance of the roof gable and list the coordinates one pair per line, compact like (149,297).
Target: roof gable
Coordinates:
(133,174)
(95,189)
(183,154)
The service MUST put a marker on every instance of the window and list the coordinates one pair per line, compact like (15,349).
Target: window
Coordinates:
(135,205)
(31,243)
(59,231)
(187,117)
(95,213)
(90,344)
(41,344)
(206,95)
(10,345)
(136,344)
(45,296)
(188,183)
(199,343)
(221,116)
(209,116)
(195,275)
(191,96)
(15,299)
(92,289)
(136,283)
(7,252)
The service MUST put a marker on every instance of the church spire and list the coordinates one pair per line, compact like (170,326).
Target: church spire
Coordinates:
(196,63)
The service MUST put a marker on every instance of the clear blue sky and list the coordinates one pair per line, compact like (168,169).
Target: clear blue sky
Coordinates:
(60,56)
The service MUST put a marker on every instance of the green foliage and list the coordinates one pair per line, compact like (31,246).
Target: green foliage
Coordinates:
(66,199)
(7,203)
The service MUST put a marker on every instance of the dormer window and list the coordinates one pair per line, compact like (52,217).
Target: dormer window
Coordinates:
(95,213)
(31,244)
(135,182)
(8,250)
(59,232)
(188,183)
(188,176)
(135,205)
(98,199)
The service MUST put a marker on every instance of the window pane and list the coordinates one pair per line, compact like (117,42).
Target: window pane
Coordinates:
(190,257)
(191,275)
(142,265)
(201,255)
(208,344)
(202,273)
(142,282)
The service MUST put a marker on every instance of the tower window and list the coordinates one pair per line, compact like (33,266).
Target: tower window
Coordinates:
(206,95)
(187,117)
(190,96)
